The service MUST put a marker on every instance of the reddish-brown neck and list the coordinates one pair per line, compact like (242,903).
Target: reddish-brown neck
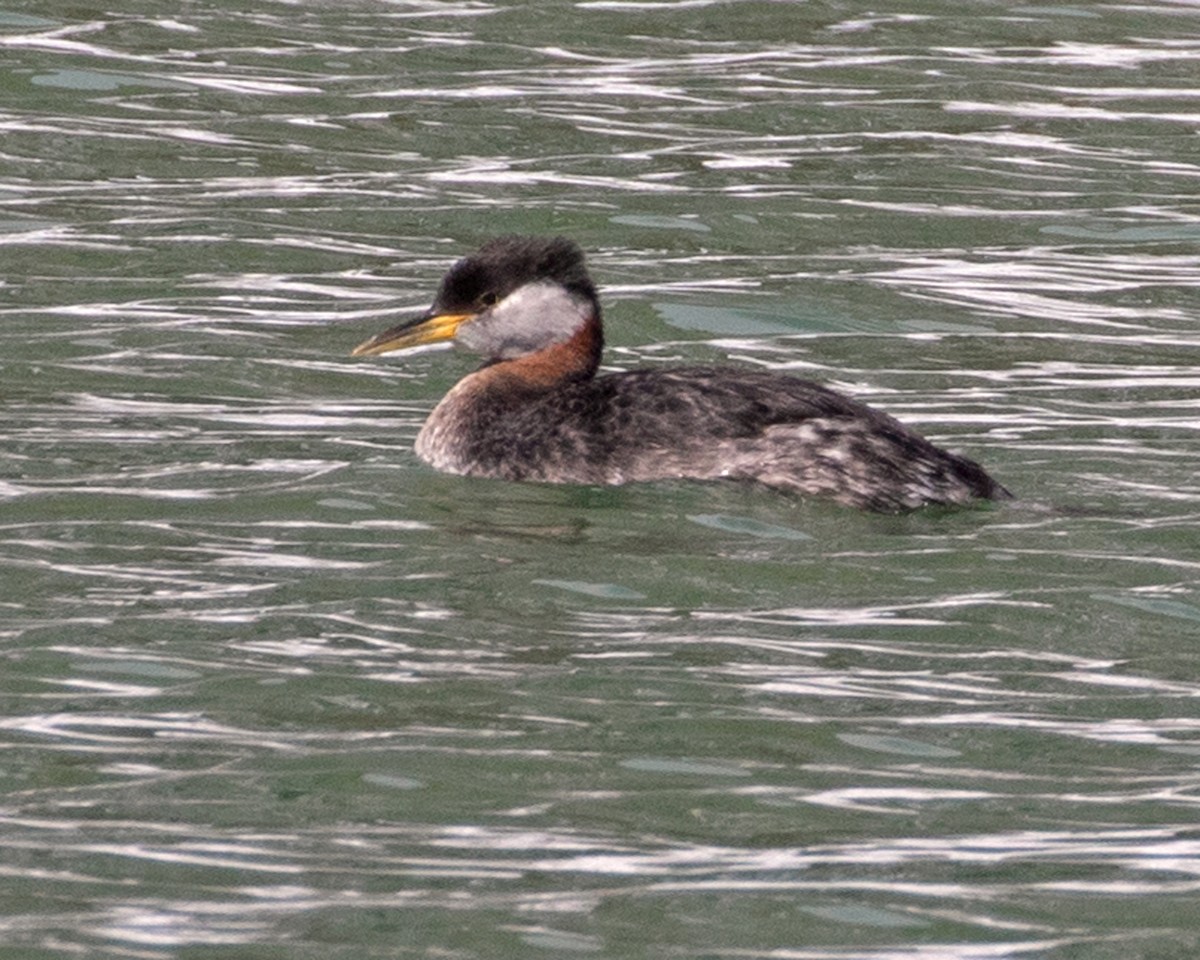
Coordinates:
(573,359)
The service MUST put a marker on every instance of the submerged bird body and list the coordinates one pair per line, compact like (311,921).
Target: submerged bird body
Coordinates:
(537,411)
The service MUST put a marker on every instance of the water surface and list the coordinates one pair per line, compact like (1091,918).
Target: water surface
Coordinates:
(275,689)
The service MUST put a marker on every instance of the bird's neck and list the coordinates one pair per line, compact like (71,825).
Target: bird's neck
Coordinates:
(574,359)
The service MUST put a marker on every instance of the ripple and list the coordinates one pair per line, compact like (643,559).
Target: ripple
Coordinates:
(269,680)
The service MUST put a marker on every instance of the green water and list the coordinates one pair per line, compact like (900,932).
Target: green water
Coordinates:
(272,688)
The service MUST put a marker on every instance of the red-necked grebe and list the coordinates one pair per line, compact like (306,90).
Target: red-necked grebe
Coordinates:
(537,411)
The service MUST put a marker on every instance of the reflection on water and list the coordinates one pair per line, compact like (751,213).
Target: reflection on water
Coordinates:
(273,686)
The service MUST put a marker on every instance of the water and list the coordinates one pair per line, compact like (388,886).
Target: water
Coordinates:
(274,689)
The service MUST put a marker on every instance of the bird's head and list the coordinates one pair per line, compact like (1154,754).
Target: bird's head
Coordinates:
(513,297)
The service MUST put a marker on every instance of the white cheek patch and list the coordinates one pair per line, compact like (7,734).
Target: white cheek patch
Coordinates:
(529,319)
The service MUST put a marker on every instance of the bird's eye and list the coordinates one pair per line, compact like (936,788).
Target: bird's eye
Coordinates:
(488,299)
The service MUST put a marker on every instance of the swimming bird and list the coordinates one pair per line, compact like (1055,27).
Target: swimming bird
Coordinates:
(537,411)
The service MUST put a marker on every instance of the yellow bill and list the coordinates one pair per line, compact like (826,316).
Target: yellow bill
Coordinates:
(413,333)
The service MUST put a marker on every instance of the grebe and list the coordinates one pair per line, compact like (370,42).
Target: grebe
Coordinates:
(537,411)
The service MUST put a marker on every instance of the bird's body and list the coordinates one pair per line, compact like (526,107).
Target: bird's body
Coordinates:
(537,411)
